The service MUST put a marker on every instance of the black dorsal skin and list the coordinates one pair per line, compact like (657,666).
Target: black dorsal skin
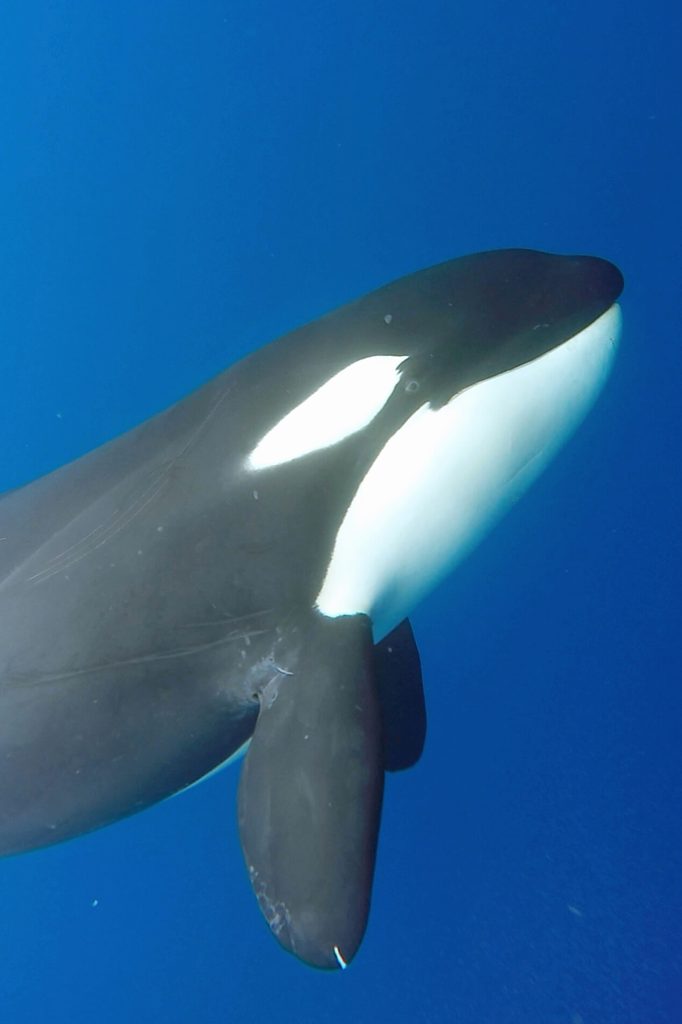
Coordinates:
(156,592)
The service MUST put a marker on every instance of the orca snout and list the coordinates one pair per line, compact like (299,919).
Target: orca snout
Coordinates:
(596,281)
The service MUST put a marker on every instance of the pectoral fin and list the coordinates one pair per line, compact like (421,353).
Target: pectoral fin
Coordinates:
(311,789)
(401,698)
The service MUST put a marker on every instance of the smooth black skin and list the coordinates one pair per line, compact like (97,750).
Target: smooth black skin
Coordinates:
(309,831)
(357,709)
(398,674)
(146,587)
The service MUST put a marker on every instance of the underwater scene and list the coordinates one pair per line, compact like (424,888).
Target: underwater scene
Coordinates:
(458,226)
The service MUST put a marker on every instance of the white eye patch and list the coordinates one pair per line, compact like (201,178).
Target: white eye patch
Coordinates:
(344,404)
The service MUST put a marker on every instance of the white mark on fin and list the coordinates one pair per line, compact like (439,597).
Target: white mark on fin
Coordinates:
(341,406)
(339,959)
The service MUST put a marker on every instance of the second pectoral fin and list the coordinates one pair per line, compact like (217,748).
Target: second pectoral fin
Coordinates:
(311,789)
(401,697)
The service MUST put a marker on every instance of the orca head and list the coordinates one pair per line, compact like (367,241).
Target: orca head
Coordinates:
(469,319)
(482,366)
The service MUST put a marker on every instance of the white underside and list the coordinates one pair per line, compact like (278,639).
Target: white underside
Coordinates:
(444,477)
(448,474)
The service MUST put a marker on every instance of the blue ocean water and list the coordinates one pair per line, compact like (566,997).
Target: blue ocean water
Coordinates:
(179,183)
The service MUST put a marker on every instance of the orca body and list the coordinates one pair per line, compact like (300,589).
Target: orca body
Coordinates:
(241,566)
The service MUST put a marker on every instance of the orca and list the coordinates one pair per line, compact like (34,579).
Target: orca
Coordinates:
(236,573)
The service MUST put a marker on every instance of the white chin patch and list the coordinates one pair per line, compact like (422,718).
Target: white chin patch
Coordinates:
(447,474)
(344,404)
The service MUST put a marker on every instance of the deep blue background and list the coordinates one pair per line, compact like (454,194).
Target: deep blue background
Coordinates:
(178,184)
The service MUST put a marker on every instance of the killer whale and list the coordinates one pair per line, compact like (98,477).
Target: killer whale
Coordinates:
(241,568)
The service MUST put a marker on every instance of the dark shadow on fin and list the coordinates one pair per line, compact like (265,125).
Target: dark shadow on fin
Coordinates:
(401,698)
